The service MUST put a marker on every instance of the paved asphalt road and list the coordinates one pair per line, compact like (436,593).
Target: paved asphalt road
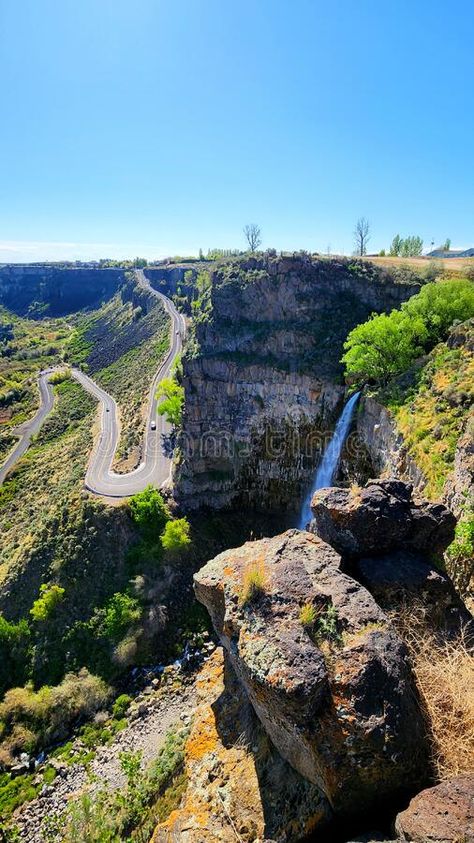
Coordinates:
(155,467)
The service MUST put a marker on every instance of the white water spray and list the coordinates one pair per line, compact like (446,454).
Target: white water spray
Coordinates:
(330,461)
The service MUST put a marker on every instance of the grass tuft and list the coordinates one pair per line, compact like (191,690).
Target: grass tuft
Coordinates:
(254,583)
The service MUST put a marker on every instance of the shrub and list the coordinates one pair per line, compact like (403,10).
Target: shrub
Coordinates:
(14,652)
(328,624)
(121,705)
(50,712)
(58,377)
(254,583)
(175,536)
(149,512)
(120,612)
(460,554)
(308,616)
(44,606)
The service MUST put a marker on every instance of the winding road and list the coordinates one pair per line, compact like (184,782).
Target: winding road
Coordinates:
(155,468)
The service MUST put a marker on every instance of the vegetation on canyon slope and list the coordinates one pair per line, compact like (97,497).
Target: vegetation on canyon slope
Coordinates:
(26,347)
(388,344)
(121,347)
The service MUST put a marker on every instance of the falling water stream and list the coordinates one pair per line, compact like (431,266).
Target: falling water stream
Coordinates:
(330,461)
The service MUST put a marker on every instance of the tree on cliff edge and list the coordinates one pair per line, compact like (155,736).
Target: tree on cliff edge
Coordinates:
(253,235)
(361,235)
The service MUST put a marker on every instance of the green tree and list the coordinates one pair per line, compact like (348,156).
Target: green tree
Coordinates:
(120,612)
(380,348)
(175,536)
(440,304)
(396,246)
(171,406)
(411,246)
(387,344)
(149,512)
(447,244)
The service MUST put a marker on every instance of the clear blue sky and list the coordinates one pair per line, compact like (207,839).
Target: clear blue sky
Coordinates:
(157,127)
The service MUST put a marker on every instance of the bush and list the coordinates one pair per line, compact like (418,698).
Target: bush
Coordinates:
(254,583)
(175,536)
(49,713)
(14,652)
(119,613)
(444,671)
(120,706)
(44,606)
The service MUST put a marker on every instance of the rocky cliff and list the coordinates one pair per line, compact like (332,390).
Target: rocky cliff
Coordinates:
(263,382)
(421,429)
(315,713)
(48,290)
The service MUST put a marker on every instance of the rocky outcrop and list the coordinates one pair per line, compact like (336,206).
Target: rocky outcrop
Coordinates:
(263,378)
(381,517)
(441,814)
(239,787)
(388,542)
(378,435)
(323,668)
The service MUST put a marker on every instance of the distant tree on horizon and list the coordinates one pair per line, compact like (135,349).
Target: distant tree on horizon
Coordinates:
(362,235)
(406,247)
(253,235)
(447,244)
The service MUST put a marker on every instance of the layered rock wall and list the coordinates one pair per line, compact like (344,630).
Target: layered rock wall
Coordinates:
(263,382)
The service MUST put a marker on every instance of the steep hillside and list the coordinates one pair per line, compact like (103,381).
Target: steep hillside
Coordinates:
(121,345)
(262,377)
(26,347)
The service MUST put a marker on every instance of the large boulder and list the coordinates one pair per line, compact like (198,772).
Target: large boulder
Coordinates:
(381,517)
(441,814)
(323,668)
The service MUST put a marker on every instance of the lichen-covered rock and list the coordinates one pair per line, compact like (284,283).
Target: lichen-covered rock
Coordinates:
(331,685)
(239,787)
(441,814)
(380,517)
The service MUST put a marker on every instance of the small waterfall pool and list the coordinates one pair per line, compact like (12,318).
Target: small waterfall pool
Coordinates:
(328,466)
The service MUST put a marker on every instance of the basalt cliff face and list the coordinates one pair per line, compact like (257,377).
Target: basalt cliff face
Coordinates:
(47,290)
(263,382)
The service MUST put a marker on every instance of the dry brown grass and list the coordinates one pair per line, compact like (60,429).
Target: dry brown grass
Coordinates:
(450,265)
(444,671)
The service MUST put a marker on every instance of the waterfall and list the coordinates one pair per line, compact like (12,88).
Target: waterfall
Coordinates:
(330,461)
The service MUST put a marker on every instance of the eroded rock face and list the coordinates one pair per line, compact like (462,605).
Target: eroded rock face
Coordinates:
(239,787)
(381,517)
(337,700)
(441,814)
